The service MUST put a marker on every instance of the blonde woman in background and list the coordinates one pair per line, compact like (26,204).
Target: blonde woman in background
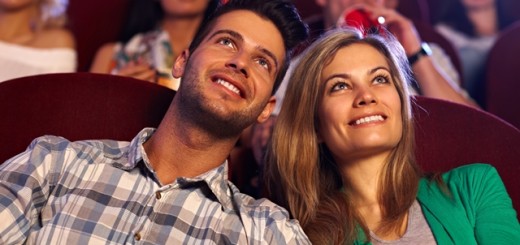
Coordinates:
(33,39)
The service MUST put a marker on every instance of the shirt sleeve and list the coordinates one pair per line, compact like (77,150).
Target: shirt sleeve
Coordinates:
(24,185)
(443,61)
(282,230)
(264,222)
(496,221)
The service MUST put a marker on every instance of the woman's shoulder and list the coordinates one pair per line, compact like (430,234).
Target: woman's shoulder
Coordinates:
(54,38)
(474,169)
(467,176)
(471,173)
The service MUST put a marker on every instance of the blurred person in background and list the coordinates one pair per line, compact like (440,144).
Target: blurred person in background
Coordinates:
(472,26)
(434,73)
(154,34)
(33,39)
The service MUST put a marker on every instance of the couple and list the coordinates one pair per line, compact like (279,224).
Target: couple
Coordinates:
(169,185)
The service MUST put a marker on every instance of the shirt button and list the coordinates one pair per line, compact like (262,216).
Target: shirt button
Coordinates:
(137,236)
(158,195)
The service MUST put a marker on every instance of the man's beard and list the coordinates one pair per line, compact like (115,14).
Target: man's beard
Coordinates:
(211,117)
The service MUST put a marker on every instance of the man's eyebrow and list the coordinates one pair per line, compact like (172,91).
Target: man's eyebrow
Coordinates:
(239,37)
(234,34)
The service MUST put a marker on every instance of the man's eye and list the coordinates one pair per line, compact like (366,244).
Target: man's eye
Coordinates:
(264,63)
(226,42)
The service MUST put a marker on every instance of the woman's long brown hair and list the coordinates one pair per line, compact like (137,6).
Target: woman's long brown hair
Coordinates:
(301,174)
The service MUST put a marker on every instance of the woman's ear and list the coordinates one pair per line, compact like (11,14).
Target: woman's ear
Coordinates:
(180,64)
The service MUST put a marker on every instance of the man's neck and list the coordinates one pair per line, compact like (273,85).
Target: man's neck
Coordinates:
(180,149)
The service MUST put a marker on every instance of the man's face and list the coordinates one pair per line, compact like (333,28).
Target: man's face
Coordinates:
(228,78)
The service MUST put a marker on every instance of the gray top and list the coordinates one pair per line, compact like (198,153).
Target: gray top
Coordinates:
(417,232)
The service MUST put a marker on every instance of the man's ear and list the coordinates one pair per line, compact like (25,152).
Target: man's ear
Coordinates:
(180,64)
(268,109)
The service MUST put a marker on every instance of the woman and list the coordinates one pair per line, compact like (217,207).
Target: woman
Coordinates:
(155,33)
(33,39)
(342,152)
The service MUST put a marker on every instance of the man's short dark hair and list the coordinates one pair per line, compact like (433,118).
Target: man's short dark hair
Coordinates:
(282,13)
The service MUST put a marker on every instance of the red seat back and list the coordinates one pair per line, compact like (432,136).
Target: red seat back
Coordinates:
(77,106)
(94,23)
(449,135)
(502,80)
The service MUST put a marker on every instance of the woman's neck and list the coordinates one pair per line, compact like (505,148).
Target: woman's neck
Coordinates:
(181,31)
(362,178)
(361,181)
(16,27)
(484,19)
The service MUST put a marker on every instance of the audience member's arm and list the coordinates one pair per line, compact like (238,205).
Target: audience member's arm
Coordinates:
(103,64)
(103,59)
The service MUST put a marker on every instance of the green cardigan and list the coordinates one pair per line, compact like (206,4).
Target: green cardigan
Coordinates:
(478,210)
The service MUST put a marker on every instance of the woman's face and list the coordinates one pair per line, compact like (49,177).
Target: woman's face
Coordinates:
(15,5)
(184,8)
(478,4)
(360,111)
(335,8)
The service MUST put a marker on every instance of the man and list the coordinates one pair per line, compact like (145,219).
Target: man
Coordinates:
(167,186)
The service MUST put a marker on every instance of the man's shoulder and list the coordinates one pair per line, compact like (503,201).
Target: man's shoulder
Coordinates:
(272,220)
(253,205)
(264,207)
(59,143)
(57,147)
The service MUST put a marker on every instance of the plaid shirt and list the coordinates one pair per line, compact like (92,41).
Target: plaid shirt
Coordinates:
(105,192)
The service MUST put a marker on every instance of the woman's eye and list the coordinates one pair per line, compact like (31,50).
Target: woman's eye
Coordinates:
(339,86)
(381,79)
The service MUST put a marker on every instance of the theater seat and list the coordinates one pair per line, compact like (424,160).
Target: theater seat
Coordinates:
(415,10)
(94,23)
(77,106)
(502,80)
(450,134)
